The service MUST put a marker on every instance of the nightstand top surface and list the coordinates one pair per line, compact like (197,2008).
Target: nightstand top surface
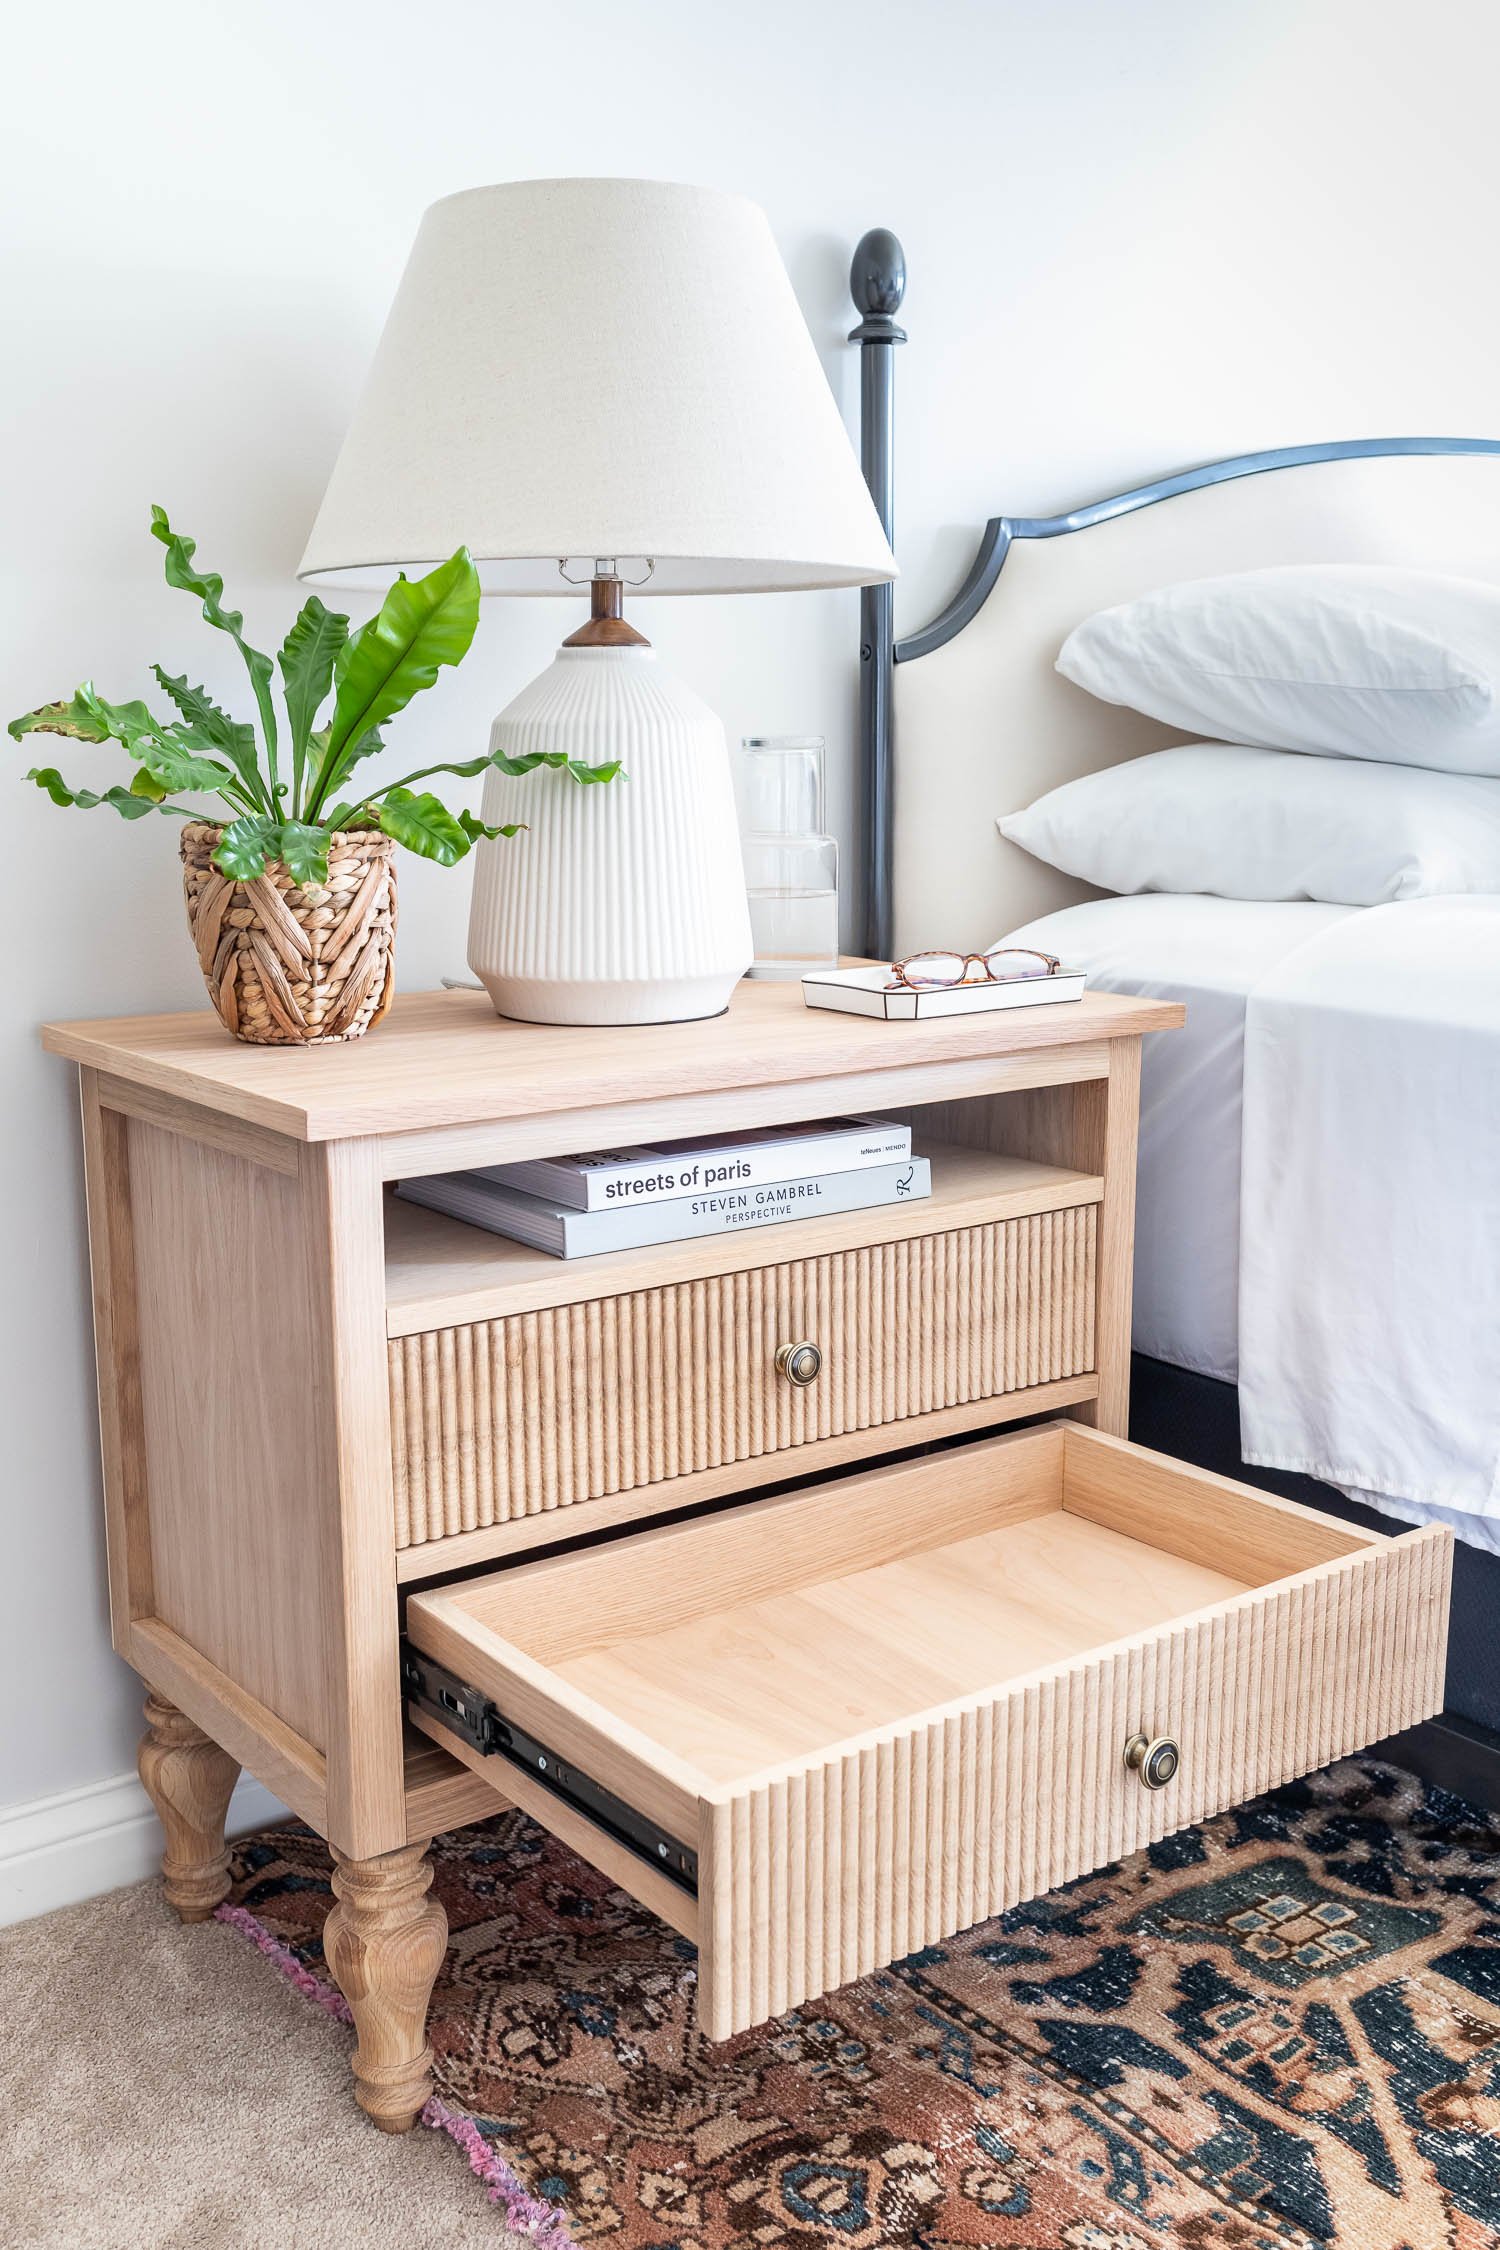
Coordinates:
(446,1058)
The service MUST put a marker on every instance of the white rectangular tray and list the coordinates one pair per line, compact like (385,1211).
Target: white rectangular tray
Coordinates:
(869,992)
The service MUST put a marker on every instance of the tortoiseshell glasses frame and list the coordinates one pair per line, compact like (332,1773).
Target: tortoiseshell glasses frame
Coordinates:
(924,970)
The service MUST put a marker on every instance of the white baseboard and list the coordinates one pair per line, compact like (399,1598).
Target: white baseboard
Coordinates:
(57,1850)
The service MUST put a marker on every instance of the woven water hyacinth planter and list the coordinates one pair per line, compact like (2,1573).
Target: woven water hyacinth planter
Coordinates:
(288,964)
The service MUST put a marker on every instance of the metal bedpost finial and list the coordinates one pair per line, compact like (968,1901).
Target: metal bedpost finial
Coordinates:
(877,283)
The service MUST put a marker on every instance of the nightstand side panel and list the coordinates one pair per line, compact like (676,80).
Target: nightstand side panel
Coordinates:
(235,1450)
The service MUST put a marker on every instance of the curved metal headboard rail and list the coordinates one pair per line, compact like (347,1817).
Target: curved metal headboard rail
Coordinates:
(1000,531)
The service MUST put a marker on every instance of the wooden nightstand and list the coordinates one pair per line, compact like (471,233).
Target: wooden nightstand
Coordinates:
(813,1731)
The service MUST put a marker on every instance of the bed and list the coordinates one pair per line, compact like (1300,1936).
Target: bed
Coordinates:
(967,719)
(1210,953)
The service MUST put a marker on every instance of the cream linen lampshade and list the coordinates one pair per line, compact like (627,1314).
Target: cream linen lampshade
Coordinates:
(611,376)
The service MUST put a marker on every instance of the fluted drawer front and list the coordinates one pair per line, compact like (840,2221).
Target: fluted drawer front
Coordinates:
(827,1872)
(506,1418)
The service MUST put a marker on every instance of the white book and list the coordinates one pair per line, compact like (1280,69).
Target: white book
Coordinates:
(870,992)
(567,1233)
(612,1178)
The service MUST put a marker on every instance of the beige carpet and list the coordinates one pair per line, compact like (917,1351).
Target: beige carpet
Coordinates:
(166,2089)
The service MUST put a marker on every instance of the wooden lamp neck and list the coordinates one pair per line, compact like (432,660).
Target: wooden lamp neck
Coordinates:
(606,627)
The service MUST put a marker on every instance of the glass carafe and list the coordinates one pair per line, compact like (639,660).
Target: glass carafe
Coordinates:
(791,866)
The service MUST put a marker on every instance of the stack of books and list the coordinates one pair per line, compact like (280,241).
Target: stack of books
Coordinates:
(624,1198)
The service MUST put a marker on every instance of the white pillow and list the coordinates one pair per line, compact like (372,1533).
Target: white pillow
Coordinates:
(1238,823)
(1349,660)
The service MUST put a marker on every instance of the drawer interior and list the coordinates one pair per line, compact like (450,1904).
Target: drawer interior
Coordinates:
(778,1630)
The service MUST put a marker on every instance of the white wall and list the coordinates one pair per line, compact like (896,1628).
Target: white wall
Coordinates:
(1138,236)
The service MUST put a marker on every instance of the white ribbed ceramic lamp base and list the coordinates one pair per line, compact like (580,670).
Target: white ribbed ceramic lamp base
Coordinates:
(622,902)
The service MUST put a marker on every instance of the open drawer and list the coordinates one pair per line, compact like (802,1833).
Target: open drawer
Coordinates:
(817,1732)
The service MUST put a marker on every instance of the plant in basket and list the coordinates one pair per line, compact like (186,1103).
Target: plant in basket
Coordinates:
(291,886)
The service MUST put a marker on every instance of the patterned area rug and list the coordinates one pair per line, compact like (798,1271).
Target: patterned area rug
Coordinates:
(1280,2029)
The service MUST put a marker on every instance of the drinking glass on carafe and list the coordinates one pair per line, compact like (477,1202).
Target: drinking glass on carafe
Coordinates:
(791,866)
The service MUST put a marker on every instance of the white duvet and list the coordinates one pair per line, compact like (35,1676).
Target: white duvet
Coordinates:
(1364,1221)
(1369,1297)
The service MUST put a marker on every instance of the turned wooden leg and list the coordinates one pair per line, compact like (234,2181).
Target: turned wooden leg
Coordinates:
(384,1942)
(189,1780)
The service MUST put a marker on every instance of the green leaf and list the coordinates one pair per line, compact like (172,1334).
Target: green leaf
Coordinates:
(123,801)
(327,772)
(305,851)
(246,845)
(477,830)
(535,758)
(73,719)
(171,754)
(423,825)
(146,785)
(198,708)
(130,723)
(307,659)
(214,729)
(91,719)
(558,758)
(209,588)
(180,768)
(420,626)
(464,772)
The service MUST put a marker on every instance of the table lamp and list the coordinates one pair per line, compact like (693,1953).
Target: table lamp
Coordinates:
(602,383)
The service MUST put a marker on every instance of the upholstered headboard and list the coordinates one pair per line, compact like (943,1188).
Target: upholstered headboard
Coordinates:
(983,723)
(967,720)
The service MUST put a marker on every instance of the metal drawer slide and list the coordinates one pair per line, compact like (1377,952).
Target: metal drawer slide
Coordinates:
(465,1711)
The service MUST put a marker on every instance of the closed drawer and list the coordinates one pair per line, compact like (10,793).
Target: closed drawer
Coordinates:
(818,1732)
(497,1419)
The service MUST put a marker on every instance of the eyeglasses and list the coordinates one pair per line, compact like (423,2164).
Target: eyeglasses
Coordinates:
(1003,964)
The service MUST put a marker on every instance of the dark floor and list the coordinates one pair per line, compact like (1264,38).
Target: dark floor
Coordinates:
(1198,1420)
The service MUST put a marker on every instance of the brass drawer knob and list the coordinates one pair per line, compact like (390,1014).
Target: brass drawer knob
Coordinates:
(799,1363)
(1156,1761)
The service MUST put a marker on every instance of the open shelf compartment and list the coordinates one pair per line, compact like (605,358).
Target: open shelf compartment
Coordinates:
(440,1271)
